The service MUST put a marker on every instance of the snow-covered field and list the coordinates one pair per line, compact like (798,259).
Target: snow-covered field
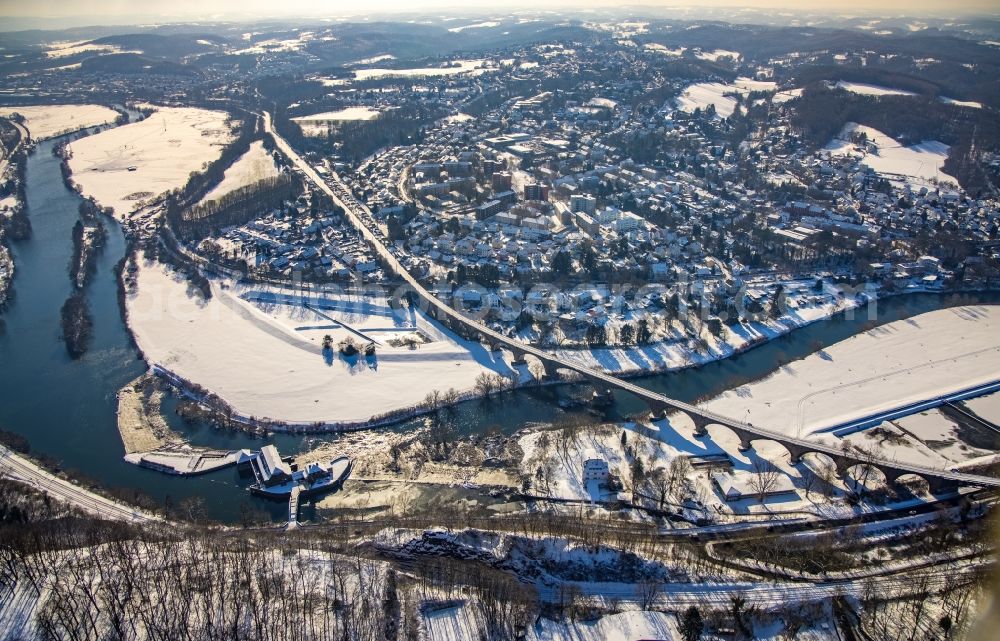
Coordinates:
(918,164)
(746,85)
(667,51)
(462,66)
(702,94)
(455,623)
(348,113)
(125,166)
(896,443)
(266,360)
(48,121)
(274,45)
(889,366)
(624,626)
(460,623)
(66,49)
(877,90)
(333,82)
(372,60)
(872,90)
(962,103)
(785,96)
(718,53)
(319,124)
(256,164)
(939,434)
(479,25)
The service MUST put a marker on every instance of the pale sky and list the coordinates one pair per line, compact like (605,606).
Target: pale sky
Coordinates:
(216,9)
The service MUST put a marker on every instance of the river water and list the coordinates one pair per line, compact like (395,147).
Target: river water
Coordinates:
(67,408)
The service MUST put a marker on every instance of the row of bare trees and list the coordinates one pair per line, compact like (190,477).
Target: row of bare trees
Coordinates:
(100,581)
(931,611)
(79,579)
(489,383)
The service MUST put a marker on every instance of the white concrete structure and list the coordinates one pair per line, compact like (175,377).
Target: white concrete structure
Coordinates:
(595,469)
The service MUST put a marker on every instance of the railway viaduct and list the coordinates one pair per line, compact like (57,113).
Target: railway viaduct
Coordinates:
(938,480)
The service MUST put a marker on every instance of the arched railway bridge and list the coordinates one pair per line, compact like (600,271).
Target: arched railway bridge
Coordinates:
(939,480)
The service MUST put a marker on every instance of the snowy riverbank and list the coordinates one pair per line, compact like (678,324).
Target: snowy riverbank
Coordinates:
(891,365)
(127,166)
(256,350)
(266,359)
(50,121)
(679,352)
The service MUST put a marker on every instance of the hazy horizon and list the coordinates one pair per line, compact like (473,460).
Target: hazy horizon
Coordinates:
(92,12)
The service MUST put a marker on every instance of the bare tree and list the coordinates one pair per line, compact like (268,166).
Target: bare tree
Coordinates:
(742,614)
(867,454)
(660,482)
(489,382)
(957,598)
(809,481)
(450,397)
(764,478)
(918,603)
(647,590)
(433,400)
(677,471)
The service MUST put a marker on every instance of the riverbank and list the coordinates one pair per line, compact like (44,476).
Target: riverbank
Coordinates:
(150,442)
(45,122)
(681,354)
(140,421)
(408,473)
(126,167)
(220,412)
(274,314)
(6,273)
(261,351)
(71,491)
(14,224)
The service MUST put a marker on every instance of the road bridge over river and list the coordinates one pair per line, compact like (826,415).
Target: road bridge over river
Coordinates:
(360,217)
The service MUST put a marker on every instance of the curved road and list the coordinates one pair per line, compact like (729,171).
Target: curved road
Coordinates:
(359,215)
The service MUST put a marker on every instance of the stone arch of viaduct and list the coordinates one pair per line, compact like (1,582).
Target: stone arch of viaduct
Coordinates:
(937,480)
(843,461)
